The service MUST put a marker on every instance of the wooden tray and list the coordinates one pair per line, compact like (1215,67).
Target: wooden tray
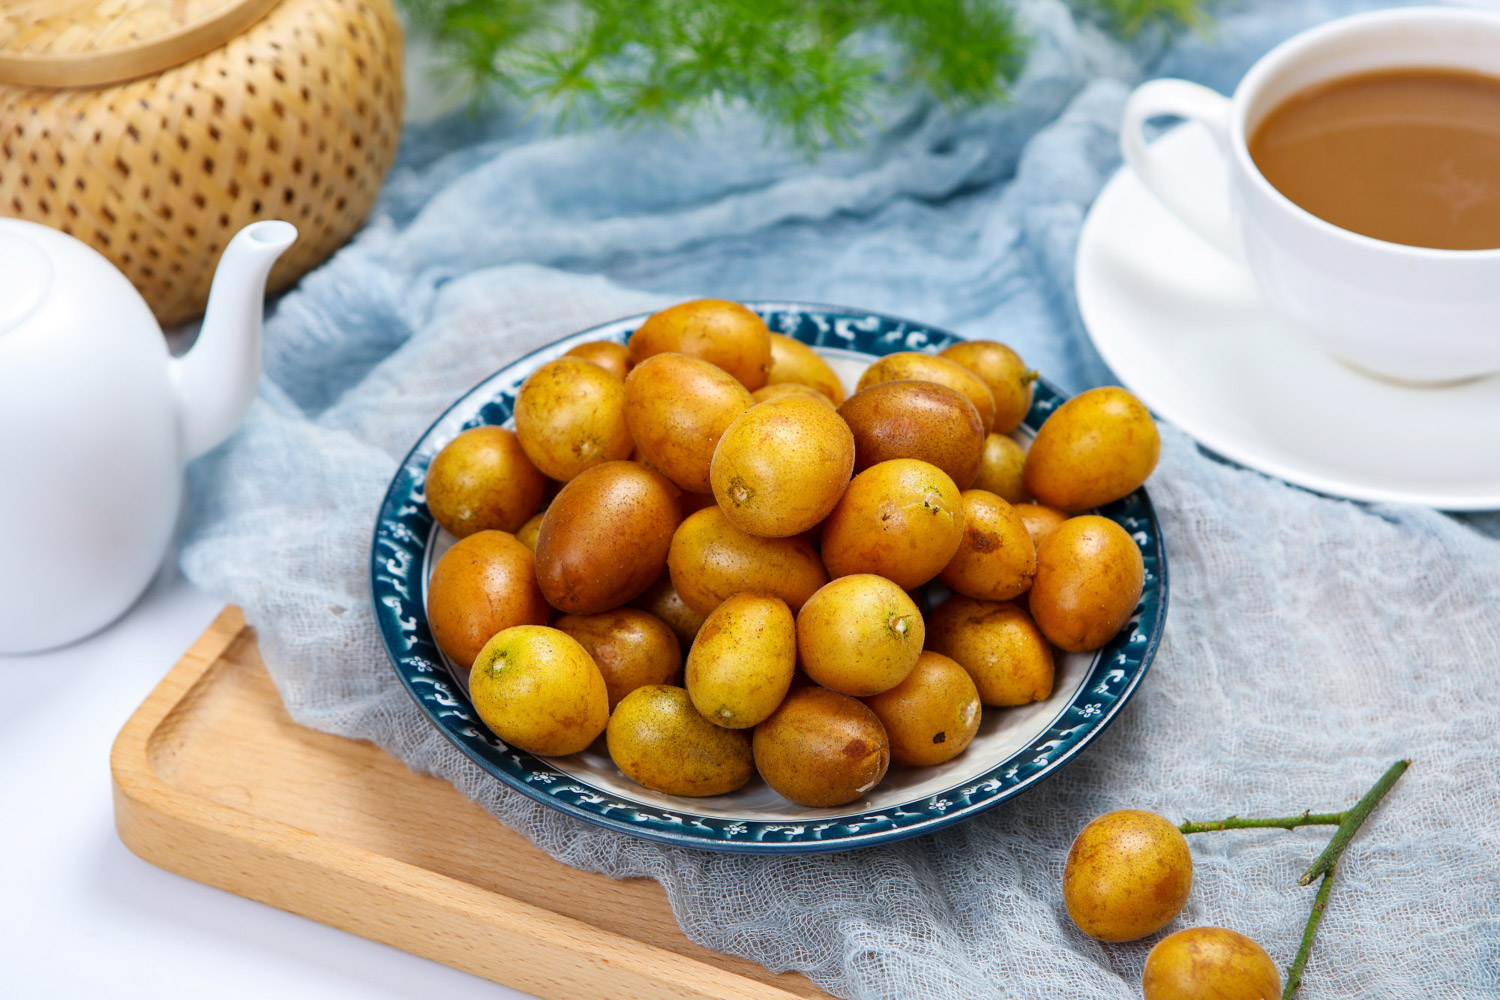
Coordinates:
(213,781)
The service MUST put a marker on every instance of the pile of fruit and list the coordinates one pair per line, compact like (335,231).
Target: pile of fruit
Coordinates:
(711,490)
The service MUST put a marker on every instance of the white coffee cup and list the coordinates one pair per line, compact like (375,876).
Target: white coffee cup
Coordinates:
(1401,312)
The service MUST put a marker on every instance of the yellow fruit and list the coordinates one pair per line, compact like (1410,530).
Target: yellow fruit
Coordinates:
(659,740)
(1096,447)
(1128,874)
(1209,963)
(539,690)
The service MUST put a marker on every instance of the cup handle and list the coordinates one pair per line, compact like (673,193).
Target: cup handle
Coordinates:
(1199,202)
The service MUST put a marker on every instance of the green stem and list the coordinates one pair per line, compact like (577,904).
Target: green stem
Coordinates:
(1294,974)
(1279,822)
(1352,819)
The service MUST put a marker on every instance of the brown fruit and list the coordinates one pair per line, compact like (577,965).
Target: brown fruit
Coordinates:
(605,538)
(996,560)
(570,416)
(793,362)
(630,647)
(662,600)
(711,560)
(607,354)
(902,519)
(860,635)
(1096,447)
(1040,520)
(1089,577)
(677,407)
(1010,382)
(912,419)
(1209,963)
(1002,465)
(1128,874)
(998,644)
(821,748)
(777,389)
(782,466)
(931,716)
(485,583)
(722,333)
(482,480)
(930,368)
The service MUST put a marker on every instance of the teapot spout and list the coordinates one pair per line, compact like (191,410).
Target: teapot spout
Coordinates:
(217,379)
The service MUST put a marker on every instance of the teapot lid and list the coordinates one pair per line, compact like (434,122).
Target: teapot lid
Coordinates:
(25,278)
(90,43)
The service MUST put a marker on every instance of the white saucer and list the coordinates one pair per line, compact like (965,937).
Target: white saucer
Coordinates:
(1188,332)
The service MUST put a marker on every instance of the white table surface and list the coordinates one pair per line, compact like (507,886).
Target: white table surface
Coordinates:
(80,916)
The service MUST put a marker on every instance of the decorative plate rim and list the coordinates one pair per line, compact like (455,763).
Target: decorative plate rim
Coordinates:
(399,551)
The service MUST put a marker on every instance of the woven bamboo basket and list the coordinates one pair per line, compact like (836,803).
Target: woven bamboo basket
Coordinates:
(155,129)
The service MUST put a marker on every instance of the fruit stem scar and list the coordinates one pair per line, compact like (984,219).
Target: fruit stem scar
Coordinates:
(898,624)
(739,492)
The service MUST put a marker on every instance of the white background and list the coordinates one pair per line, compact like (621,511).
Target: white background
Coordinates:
(80,916)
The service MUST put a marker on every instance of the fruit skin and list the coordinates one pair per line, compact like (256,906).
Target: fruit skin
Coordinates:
(677,407)
(482,480)
(774,389)
(821,748)
(859,635)
(711,560)
(607,354)
(996,560)
(931,368)
(794,362)
(720,332)
(605,538)
(658,739)
(1128,874)
(1209,963)
(662,600)
(742,663)
(902,519)
(527,533)
(570,416)
(1089,577)
(998,644)
(539,690)
(630,647)
(1096,447)
(485,583)
(1010,382)
(913,419)
(932,716)
(1040,520)
(782,466)
(1002,464)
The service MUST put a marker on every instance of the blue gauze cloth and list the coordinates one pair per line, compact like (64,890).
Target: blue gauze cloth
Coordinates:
(1310,642)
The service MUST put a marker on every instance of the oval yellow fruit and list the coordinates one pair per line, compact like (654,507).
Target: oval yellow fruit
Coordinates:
(539,690)
(659,740)
(782,466)
(1096,447)
(742,662)
(1128,874)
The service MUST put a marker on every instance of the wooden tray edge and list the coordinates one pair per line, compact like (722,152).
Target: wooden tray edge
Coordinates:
(444,919)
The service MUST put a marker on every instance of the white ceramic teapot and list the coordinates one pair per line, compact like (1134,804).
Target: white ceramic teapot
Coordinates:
(97,421)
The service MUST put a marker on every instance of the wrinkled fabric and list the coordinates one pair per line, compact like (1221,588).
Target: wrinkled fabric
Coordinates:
(1310,641)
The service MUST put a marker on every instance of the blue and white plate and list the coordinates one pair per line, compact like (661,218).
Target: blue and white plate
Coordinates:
(1014,749)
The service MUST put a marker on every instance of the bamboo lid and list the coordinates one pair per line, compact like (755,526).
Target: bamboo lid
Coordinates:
(90,43)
